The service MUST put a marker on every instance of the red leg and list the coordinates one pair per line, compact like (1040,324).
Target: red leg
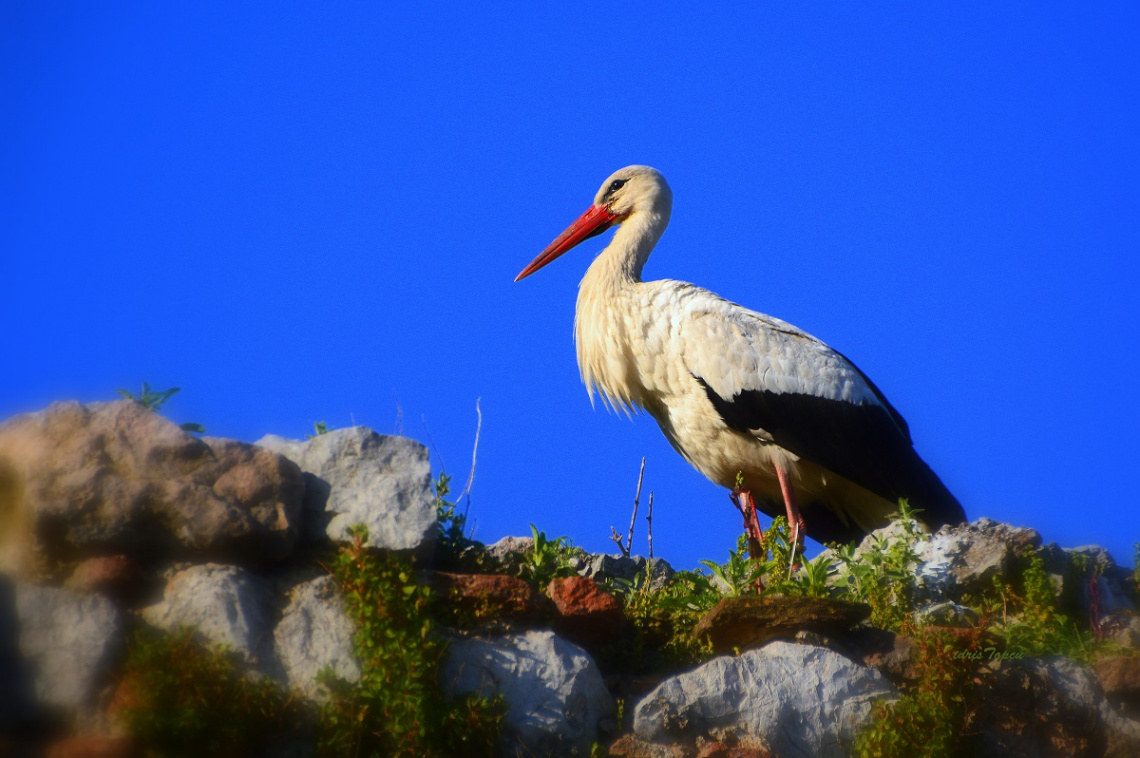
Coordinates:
(795,519)
(743,501)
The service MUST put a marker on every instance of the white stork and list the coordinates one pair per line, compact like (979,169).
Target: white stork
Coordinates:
(755,404)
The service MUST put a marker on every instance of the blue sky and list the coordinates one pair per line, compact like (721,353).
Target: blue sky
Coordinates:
(301,213)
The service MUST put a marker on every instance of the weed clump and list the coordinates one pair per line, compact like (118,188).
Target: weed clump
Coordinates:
(184,698)
(397,708)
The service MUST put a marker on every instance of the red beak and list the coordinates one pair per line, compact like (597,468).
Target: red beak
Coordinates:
(594,221)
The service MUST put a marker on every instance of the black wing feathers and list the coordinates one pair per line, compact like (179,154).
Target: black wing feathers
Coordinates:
(865,443)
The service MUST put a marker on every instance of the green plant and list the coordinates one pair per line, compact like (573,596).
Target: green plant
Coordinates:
(1018,617)
(1136,568)
(882,577)
(812,580)
(397,707)
(547,559)
(188,699)
(740,575)
(930,718)
(150,399)
(451,525)
(153,400)
(454,548)
(662,620)
(319,428)
(914,725)
(1028,621)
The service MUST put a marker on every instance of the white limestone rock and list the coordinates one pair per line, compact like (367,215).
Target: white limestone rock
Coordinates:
(68,641)
(356,476)
(557,701)
(226,605)
(315,633)
(794,699)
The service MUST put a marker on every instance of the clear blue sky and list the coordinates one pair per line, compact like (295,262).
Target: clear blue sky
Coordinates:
(315,212)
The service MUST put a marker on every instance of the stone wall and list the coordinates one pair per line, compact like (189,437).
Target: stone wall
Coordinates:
(113,519)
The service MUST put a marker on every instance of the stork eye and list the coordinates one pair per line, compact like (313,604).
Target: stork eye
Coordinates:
(615,185)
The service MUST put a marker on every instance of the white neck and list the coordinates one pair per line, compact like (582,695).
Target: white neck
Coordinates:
(603,328)
(622,260)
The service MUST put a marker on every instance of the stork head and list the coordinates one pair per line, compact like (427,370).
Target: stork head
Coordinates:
(626,193)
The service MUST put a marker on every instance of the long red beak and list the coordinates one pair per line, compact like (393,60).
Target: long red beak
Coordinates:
(594,221)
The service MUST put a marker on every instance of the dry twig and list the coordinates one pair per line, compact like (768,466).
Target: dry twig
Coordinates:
(649,523)
(474,451)
(632,519)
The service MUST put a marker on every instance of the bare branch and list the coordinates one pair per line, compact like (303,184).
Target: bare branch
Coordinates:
(649,523)
(636,503)
(474,452)
(431,443)
(617,538)
(632,519)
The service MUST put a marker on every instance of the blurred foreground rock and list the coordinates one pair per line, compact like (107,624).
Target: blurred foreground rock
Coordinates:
(78,481)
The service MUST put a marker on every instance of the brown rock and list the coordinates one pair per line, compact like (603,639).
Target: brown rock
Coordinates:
(478,598)
(92,746)
(118,576)
(629,746)
(721,750)
(81,480)
(585,612)
(1119,677)
(891,654)
(749,621)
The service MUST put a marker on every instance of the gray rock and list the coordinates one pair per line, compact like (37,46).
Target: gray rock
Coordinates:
(226,605)
(1111,592)
(954,560)
(17,686)
(314,633)
(70,641)
(886,536)
(966,558)
(504,551)
(356,476)
(1038,707)
(557,701)
(1121,732)
(946,614)
(795,699)
(1124,630)
(614,567)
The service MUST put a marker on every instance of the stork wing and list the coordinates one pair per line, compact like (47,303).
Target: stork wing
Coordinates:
(766,378)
